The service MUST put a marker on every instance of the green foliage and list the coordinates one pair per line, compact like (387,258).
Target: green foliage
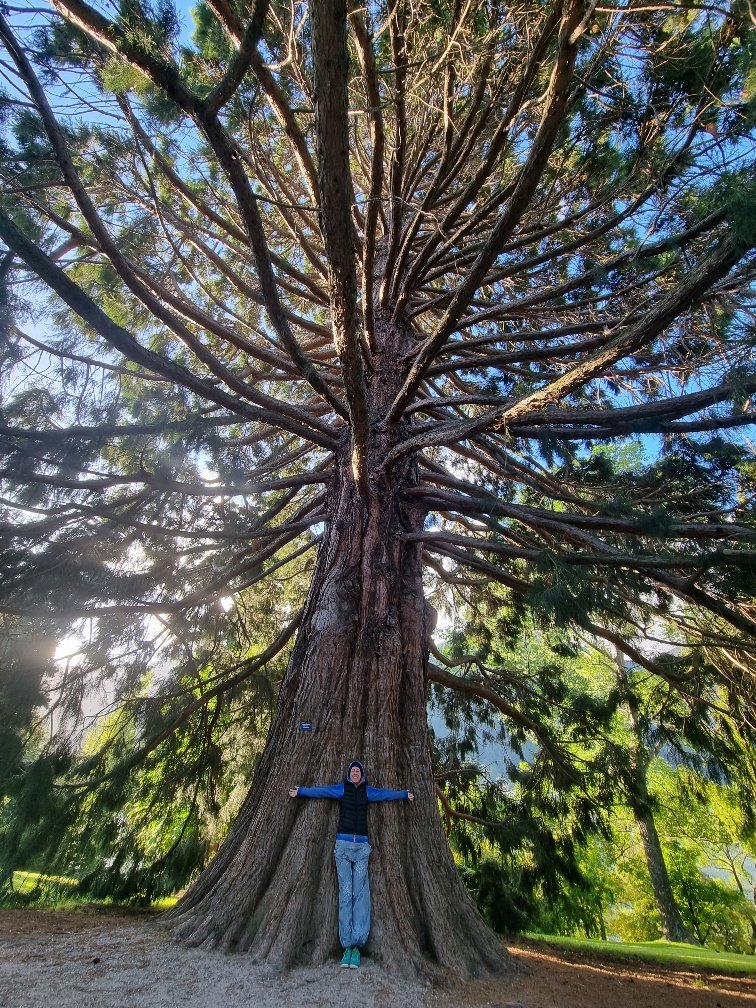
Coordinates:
(501,899)
(139,834)
(154,810)
(583,906)
(31,803)
(562,593)
(150,27)
(717,914)
(737,192)
(25,661)
(566,856)
(209,36)
(120,77)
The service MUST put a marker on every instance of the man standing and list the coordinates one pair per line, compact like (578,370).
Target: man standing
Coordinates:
(351,852)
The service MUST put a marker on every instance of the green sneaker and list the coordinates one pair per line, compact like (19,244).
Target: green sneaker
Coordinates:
(356,959)
(346,959)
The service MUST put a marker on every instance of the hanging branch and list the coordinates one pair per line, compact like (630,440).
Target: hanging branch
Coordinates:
(483,691)
(165,76)
(126,344)
(241,671)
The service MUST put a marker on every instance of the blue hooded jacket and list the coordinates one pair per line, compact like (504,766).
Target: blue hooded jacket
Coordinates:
(353,799)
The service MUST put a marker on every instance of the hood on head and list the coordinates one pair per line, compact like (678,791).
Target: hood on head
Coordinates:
(356,763)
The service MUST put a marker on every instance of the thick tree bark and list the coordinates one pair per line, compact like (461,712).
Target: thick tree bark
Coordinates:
(357,676)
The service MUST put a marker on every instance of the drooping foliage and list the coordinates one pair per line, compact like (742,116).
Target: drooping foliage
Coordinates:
(547,819)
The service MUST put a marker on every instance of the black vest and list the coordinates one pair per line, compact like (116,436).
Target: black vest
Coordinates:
(353,809)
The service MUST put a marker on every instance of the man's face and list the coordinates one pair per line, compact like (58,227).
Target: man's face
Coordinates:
(355,775)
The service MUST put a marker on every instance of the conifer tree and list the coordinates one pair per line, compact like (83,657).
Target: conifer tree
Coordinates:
(599,728)
(326,291)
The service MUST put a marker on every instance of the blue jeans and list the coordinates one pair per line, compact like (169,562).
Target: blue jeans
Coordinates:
(354,892)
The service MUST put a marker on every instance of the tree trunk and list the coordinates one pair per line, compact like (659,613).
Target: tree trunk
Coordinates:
(673,927)
(357,676)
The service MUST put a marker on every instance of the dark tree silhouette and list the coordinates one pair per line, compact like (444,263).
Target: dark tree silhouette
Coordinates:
(373,282)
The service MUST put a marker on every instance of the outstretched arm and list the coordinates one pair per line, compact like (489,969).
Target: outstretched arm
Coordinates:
(328,791)
(383,794)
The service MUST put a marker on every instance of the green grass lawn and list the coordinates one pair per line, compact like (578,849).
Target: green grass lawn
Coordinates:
(669,953)
(58,892)
(26,882)
(165,903)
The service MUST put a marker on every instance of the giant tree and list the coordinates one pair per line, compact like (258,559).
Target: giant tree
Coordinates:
(351,279)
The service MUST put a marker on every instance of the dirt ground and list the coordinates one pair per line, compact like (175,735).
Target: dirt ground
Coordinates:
(97,960)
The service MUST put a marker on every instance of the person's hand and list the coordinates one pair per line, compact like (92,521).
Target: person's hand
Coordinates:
(293,792)
(410,796)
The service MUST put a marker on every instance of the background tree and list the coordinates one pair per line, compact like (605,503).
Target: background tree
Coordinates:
(601,783)
(711,822)
(649,737)
(354,278)
(710,904)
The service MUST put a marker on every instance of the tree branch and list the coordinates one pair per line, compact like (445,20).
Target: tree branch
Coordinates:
(483,692)
(246,669)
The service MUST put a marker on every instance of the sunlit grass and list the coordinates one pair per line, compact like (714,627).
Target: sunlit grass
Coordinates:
(28,882)
(38,891)
(669,953)
(165,903)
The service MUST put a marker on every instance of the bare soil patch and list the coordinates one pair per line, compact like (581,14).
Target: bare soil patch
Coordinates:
(113,960)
